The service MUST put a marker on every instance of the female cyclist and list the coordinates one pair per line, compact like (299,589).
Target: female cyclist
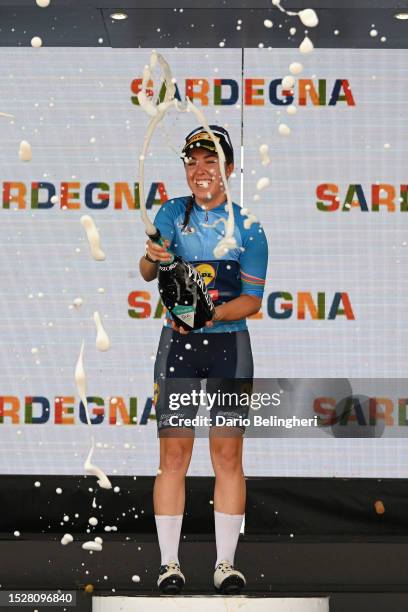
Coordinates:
(221,351)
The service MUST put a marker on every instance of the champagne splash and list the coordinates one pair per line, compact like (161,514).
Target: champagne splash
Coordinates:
(92,545)
(36,42)
(251,218)
(80,381)
(284,129)
(25,153)
(94,470)
(264,152)
(226,243)
(306,46)
(288,82)
(93,237)
(262,184)
(102,338)
(66,539)
(157,113)
(296,68)
(309,19)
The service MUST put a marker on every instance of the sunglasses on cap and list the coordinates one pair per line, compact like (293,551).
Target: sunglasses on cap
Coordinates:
(200,137)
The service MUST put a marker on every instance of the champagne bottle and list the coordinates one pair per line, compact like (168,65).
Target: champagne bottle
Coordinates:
(183,291)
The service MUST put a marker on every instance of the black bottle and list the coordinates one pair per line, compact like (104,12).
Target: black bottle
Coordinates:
(183,291)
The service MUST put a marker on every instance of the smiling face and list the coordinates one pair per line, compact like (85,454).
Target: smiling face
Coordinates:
(204,177)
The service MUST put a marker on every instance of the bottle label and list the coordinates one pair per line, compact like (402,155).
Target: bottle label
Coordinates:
(185,314)
(168,268)
(192,272)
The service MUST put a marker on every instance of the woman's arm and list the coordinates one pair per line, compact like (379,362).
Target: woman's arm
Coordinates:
(238,308)
(148,269)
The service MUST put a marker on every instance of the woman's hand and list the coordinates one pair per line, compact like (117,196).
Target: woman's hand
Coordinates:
(215,317)
(157,252)
(177,328)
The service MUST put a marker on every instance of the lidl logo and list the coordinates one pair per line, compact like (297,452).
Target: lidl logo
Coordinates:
(207,271)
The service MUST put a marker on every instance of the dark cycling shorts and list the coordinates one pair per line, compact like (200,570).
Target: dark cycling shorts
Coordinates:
(184,361)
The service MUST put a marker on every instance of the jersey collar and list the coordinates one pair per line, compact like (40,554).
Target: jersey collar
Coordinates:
(218,208)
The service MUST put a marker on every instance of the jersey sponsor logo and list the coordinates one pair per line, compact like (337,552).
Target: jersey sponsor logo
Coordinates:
(208,272)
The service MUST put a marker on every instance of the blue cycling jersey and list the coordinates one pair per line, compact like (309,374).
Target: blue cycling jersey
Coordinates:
(240,271)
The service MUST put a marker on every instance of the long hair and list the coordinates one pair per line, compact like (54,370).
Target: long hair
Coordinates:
(189,208)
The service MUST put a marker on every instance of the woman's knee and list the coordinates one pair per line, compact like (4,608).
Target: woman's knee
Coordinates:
(227,455)
(175,456)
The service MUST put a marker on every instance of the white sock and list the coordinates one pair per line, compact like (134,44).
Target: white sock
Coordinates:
(227,529)
(168,532)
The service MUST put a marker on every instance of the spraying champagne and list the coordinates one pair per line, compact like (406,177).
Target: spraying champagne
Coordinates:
(182,288)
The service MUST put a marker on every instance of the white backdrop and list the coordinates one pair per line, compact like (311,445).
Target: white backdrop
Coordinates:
(74,106)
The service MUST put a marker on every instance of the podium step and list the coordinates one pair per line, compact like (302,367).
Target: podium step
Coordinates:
(216,603)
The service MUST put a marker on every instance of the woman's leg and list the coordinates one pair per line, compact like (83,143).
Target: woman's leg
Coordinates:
(231,373)
(226,457)
(175,444)
(169,491)
(175,457)
(230,490)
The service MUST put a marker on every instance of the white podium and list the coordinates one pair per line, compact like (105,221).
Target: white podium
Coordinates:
(216,603)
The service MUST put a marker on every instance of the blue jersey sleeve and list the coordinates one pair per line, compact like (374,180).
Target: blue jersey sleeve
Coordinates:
(165,221)
(254,261)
